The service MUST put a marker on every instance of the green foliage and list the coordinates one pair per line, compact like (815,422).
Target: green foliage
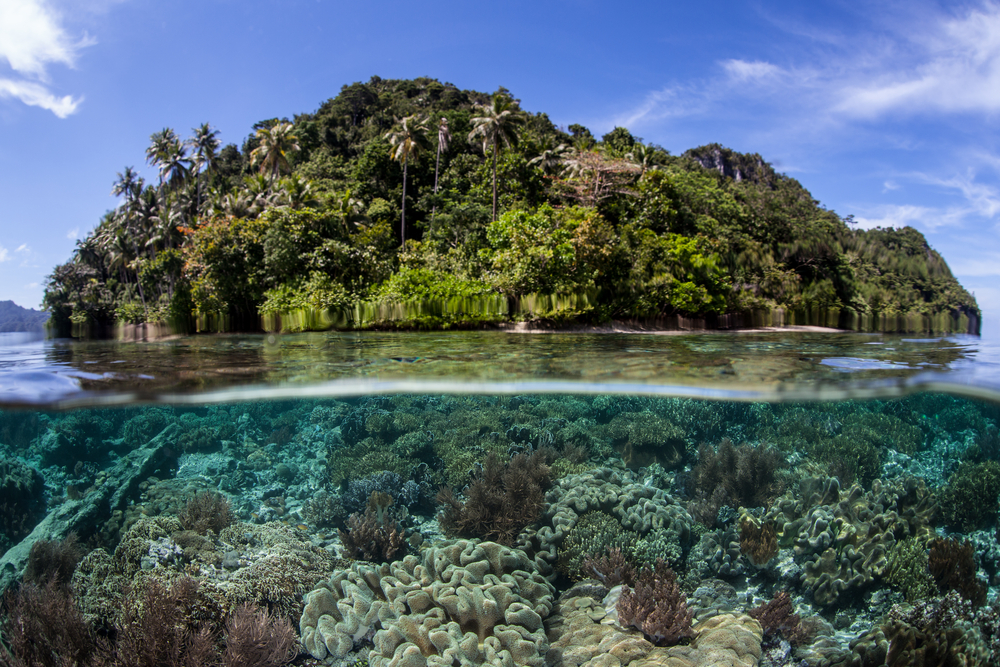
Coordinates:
(546,250)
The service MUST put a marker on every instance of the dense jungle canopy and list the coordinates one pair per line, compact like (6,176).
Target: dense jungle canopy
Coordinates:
(415,203)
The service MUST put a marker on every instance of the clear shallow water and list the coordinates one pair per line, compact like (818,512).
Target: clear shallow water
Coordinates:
(885,447)
(744,366)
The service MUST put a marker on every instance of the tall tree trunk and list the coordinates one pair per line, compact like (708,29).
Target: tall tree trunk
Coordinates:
(437,163)
(402,222)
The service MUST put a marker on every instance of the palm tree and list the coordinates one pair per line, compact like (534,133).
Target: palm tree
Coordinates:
(646,157)
(497,123)
(407,139)
(275,145)
(166,152)
(204,146)
(551,158)
(444,136)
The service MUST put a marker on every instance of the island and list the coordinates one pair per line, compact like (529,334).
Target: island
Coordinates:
(415,204)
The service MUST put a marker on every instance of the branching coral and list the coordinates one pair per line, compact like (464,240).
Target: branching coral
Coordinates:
(952,563)
(656,606)
(374,535)
(206,511)
(907,570)
(501,500)
(778,617)
(737,476)
(611,569)
(970,499)
(254,638)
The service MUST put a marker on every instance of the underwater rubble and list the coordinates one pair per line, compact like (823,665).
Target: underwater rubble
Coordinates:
(546,530)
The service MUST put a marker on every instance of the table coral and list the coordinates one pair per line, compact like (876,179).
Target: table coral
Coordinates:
(464,603)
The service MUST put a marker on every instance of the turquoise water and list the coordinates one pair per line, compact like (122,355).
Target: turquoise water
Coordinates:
(475,498)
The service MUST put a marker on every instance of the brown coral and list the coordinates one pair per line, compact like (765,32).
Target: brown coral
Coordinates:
(611,569)
(740,476)
(373,536)
(656,606)
(758,541)
(952,563)
(206,511)
(778,617)
(254,638)
(502,498)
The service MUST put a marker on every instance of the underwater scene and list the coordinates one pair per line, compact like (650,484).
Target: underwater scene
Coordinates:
(727,500)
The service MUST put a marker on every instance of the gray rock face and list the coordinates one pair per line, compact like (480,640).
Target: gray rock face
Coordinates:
(82,516)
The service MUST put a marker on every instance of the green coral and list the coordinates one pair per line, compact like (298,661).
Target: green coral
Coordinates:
(593,535)
(906,569)
(660,543)
(970,499)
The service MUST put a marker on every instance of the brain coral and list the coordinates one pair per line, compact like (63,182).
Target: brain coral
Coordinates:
(464,603)
(638,507)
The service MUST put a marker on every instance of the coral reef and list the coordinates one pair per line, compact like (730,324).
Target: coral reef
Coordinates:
(778,617)
(463,603)
(638,507)
(907,569)
(758,541)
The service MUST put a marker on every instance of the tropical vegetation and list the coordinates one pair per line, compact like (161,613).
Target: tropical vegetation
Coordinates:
(416,203)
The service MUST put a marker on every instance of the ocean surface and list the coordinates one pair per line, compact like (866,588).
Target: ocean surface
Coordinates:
(465,498)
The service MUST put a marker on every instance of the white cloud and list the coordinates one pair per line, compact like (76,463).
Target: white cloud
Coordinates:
(73,233)
(889,186)
(924,218)
(23,248)
(37,95)
(741,70)
(955,67)
(31,40)
(4,255)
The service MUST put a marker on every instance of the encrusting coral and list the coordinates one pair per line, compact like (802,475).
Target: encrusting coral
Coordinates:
(464,603)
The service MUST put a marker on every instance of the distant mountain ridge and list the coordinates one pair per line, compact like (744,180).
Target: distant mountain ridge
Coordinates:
(15,318)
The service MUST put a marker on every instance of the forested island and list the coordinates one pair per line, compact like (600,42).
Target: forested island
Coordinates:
(14,318)
(408,204)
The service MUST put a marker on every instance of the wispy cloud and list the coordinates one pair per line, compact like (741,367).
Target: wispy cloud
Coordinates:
(4,254)
(924,218)
(943,64)
(23,248)
(73,233)
(31,40)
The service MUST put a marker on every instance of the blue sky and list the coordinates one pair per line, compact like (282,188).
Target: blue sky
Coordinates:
(884,110)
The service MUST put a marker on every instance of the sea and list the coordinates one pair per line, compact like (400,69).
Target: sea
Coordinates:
(779,497)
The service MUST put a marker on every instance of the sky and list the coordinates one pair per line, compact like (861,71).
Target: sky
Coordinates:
(886,111)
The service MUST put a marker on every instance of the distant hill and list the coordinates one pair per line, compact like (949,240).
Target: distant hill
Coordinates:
(15,318)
